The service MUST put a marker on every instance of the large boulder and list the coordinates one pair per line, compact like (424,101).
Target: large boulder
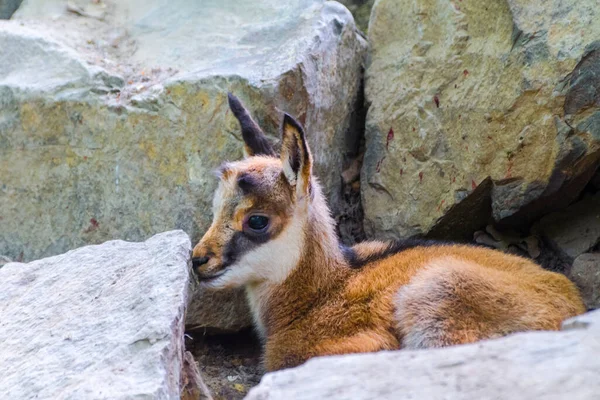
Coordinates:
(463,91)
(222,311)
(114,114)
(534,365)
(104,321)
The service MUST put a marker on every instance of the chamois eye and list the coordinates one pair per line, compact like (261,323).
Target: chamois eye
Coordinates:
(258,222)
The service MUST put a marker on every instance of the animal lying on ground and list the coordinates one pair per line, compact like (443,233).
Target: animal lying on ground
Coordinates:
(272,233)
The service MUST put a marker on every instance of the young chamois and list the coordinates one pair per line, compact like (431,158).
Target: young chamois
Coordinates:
(272,233)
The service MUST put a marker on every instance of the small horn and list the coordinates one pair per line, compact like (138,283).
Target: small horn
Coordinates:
(256,143)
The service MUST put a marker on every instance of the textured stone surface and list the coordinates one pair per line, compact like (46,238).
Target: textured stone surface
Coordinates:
(124,144)
(361,10)
(113,115)
(8,7)
(535,365)
(218,311)
(585,272)
(463,91)
(574,230)
(102,321)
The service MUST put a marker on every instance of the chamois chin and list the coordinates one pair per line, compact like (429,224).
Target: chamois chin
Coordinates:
(272,233)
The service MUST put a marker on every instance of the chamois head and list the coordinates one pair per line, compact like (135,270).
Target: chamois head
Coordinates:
(259,209)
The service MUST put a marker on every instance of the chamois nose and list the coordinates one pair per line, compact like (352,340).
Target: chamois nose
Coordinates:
(199,261)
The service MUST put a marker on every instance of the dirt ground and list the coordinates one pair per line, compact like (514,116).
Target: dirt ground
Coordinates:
(229,364)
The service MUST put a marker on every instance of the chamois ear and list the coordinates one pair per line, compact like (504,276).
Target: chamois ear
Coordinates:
(255,141)
(295,156)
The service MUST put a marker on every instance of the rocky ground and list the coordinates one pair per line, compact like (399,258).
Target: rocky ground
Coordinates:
(229,364)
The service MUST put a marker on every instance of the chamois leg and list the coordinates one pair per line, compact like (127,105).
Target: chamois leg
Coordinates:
(283,355)
(454,302)
(361,342)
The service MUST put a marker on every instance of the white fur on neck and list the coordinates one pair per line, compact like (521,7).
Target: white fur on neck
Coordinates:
(270,265)
(261,269)
(257,295)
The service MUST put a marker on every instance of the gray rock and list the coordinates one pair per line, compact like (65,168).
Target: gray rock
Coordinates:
(104,321)
(117,111)
(463,93)
(585,272)
(35,63)
(361,10)
(223,311)
(534,365)
(574,230)
(4,260)
(8,7)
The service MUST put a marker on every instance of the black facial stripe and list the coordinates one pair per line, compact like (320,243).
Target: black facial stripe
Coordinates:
(355,261)
(240,244)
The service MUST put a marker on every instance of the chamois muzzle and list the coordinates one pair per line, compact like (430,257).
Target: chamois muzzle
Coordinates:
(199,261)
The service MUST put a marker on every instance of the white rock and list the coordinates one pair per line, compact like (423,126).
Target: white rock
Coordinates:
(38,63)
(533,365)
(99,322)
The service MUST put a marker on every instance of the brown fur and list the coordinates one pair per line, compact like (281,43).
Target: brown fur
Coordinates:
(320,304)
(447,295)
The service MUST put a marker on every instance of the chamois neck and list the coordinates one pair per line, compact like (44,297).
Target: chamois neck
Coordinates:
(321,255)
(317,265)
